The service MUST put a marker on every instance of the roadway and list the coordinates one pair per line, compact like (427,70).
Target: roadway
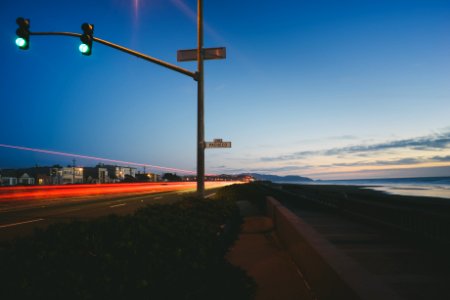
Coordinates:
(38,207)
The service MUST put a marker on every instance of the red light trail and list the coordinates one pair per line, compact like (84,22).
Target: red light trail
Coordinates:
(96,158)
(82,190)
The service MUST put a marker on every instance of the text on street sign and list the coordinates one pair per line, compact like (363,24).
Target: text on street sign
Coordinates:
(218,143)
(208,53)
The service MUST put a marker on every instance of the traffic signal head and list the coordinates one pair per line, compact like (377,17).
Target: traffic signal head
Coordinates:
(86,39)
(23,33)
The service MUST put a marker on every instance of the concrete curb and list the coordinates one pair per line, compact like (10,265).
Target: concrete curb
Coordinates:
(331,273)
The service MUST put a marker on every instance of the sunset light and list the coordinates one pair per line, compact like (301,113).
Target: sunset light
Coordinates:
(358,92)
(193,149)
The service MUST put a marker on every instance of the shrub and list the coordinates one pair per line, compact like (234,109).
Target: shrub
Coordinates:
(252,192)
(161,252)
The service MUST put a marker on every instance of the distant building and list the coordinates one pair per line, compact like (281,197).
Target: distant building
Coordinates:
(41,175)
(148,177)
(7,181)
(25,179)
(97,174)
(66,175)
(16,177)
(72,175)
(26,176)
(119,173)
(154,177)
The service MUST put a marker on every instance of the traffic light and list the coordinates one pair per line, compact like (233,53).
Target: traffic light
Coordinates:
(86,39)
(23,33)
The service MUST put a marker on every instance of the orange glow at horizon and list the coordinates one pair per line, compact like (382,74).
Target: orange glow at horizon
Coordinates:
(355,169)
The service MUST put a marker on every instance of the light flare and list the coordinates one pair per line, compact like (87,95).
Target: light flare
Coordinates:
(192,15)
(97,158)
(136,9)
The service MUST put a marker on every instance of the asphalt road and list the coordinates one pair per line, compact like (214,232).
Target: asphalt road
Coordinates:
(21,219)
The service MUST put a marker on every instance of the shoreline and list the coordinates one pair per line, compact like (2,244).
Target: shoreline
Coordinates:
(365,193)
(416,189)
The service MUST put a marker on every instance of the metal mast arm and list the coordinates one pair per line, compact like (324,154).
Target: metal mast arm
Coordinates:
(127,50)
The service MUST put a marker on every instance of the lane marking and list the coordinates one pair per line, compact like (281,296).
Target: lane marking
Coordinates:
(157,198)
(117,205)
(70,210)
(210,195)
(20,223)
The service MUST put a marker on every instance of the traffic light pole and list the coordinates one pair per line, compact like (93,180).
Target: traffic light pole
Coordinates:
(198,76)
(200,105)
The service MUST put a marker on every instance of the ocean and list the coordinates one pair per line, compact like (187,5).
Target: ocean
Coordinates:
(421,186)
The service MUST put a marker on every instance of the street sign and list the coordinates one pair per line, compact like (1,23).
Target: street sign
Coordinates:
(217,143)
(208,53)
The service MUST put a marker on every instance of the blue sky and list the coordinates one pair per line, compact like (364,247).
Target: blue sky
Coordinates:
(325,89)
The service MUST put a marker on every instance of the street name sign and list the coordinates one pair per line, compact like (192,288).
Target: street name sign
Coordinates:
(217,143)
(208,53)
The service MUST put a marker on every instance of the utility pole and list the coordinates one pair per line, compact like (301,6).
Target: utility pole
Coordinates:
(73,170)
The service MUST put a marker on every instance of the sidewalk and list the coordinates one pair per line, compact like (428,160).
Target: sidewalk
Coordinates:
(259,253)
(412,270)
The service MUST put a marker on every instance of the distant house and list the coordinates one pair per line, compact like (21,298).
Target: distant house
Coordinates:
(25,179)
(147,177)
(43,178)
(8,180)
(154,177)
(16,177)
(41,175)
(8,176)
(34,175)
(97,174)
(72,175)
(66,175)
(118,173)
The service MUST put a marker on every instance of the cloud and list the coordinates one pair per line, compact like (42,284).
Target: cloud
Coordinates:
(430,142)
(403,161)
(397,162)
(344,137)
(442,158)
(296,155)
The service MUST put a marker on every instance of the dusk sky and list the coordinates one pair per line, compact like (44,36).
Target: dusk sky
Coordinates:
(324,89)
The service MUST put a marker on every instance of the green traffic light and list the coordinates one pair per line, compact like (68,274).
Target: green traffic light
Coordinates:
(83,48)
(21,42)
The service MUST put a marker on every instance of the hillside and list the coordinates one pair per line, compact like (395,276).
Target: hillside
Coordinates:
(276,178)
